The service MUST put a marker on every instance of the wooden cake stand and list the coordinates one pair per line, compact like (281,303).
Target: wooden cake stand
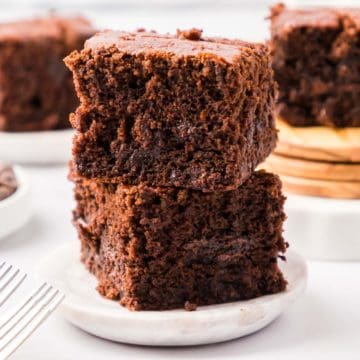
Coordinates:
(319,143)
(317,161)
(320,168)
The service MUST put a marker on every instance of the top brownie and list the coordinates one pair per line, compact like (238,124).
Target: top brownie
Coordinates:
(168,110)
(36,89)
(316,56)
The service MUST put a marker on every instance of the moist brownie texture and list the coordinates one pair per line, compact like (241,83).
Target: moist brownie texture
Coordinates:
(8,183)
(166,110)
(36,89)
(160,248)
(316,57)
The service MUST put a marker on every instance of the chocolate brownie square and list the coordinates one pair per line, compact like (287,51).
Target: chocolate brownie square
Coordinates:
(163,248)
(166,110)
(316,57)
(36,89)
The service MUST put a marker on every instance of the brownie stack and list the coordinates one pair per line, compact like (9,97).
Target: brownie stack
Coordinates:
(170,210)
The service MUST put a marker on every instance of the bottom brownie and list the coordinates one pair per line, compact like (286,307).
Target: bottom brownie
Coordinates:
(163,248)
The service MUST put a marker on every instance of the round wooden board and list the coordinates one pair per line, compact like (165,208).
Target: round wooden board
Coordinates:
(318,142)
(318,170)
(322,188)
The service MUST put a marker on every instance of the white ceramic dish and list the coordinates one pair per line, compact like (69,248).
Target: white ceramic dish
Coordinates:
(323,229)
(85,308)
(15,210)
(38,147)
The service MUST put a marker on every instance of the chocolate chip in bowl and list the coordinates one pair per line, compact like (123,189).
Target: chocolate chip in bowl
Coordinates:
(15,199)
(8,182)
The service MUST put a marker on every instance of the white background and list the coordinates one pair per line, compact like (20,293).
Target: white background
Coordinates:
(323,324)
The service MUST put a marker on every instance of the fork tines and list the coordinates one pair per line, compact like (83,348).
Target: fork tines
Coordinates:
(10,279)
(19,323)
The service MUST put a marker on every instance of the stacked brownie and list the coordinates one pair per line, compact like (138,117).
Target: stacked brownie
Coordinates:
(36,89)
(316,57)
(170,210)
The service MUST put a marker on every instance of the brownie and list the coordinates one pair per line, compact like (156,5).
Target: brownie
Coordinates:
(165,110)
(8,182)
(161,248)
(316,57)
(36,88)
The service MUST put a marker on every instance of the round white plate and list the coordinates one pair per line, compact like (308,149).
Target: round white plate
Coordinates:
(38,147)
(16,209)
(323,229)
(85,308)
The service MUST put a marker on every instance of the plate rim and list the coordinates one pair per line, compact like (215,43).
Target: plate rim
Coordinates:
(70,303)
(43,147)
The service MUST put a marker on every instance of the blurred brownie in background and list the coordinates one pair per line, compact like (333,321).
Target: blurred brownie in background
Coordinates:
(166,110)
(36,89)
(316,59)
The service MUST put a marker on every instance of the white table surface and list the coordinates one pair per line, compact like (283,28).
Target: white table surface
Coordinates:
(323,324)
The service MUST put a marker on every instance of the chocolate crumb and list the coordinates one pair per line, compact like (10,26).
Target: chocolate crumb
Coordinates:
(276,10)
(282,257)
(192,34)
(190,306)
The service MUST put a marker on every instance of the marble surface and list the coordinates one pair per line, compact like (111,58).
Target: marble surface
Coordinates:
(85,308)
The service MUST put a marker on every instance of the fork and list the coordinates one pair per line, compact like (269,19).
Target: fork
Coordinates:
(20,322)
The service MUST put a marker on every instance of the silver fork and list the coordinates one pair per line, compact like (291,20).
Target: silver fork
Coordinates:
(21,321)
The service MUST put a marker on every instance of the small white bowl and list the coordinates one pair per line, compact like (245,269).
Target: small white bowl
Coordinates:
(15,210)
(37,147)
(323,229)
(85,308)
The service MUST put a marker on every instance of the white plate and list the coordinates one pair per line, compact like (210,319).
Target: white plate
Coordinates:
(323,229)
(38,147)
(85,308)
(15,210)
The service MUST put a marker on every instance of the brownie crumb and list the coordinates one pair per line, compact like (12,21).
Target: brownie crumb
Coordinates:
(190,306)
(8,183)
(192,34)
(276,10)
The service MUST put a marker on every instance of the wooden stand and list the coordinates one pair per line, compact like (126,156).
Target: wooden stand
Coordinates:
(310,169)
(317,161)
(322,188)
(319,143)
